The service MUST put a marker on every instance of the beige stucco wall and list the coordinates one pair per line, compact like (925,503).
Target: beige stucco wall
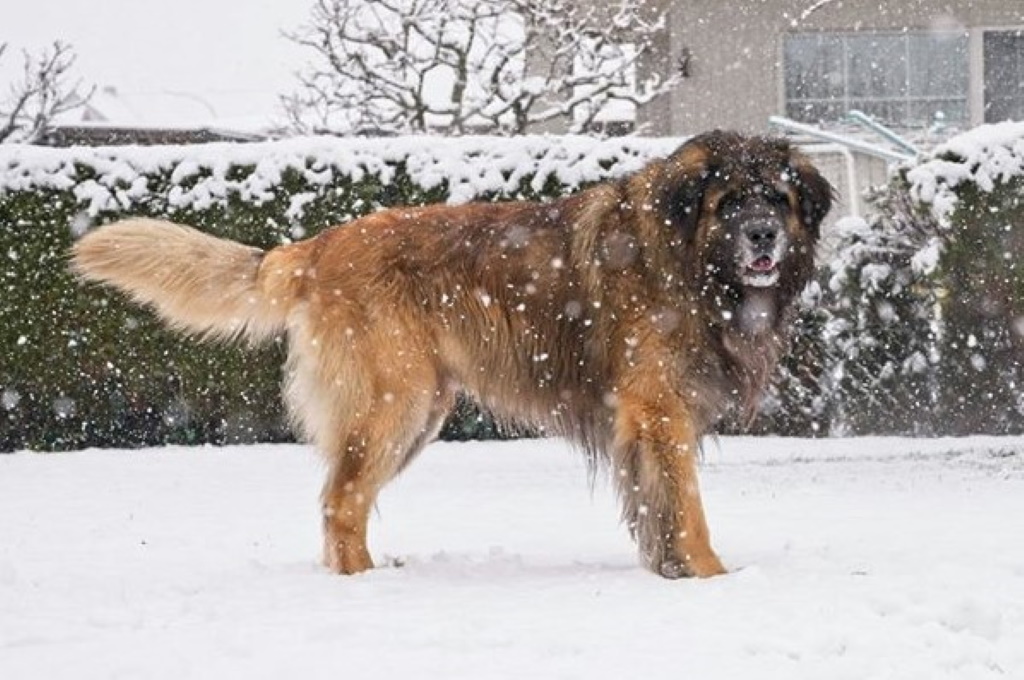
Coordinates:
(736,79)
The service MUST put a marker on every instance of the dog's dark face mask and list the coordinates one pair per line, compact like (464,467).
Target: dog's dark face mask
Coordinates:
(752,210)
(754,223)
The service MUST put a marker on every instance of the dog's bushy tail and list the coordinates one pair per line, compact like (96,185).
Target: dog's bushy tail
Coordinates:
(196,282)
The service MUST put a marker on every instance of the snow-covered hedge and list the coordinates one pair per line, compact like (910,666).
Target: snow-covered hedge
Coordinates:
(198,177)
(926,331)
(80,367)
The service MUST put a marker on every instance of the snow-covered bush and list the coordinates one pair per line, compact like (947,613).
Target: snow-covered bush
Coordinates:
(974,188)
(879,339)
(797,401)
(927,329)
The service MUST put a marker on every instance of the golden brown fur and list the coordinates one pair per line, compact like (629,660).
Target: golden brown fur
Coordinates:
(625,317)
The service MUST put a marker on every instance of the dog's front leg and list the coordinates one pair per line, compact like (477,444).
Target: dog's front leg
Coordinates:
(656,470)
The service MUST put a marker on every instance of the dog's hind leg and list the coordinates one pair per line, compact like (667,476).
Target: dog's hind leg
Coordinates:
(349,493)
(387,432)
(438,412)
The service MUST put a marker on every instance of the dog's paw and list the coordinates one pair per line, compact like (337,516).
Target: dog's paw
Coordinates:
(703,567)
(346,557)
(673,569)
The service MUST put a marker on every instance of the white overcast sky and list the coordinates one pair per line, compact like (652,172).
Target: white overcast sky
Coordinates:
(228,53)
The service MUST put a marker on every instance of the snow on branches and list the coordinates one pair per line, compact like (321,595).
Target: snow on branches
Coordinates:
(43,91)
(474,66)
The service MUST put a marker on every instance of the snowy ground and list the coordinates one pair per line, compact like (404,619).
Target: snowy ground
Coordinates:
(859,559)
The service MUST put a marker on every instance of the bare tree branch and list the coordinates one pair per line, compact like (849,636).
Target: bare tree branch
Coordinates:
(461,66)
(814,8)
(44,91)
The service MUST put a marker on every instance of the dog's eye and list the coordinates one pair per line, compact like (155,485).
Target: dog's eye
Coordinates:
(778,198)
(729,205)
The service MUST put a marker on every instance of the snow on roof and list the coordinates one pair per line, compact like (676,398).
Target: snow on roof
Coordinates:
(228,54)
(169,110)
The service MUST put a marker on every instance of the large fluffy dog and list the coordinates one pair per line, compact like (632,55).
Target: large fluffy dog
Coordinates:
(626,317)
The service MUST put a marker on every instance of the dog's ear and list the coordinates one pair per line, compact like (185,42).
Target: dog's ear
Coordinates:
(686,174)
(816,194)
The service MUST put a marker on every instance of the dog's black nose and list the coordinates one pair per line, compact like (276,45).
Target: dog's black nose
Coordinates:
(762,235)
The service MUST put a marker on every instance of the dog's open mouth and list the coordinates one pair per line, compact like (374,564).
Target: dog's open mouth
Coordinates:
(763,271)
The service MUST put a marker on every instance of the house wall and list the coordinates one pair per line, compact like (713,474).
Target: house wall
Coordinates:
(736,46)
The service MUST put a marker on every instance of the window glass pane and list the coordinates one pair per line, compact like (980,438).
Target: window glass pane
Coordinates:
(891,112)
(938,64)
(1004,75)
(809,111)
(998,109)
(814,66)
(877,65)
(924,113)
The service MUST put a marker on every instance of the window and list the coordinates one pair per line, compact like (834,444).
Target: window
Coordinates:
(1004,75)
(902,79)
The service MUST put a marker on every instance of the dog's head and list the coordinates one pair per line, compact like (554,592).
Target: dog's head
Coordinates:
(751,208)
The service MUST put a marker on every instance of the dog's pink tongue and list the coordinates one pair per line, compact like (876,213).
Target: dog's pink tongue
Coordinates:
(763,264)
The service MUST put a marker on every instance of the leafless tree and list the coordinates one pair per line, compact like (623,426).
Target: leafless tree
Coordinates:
(468,66)
(44,90)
